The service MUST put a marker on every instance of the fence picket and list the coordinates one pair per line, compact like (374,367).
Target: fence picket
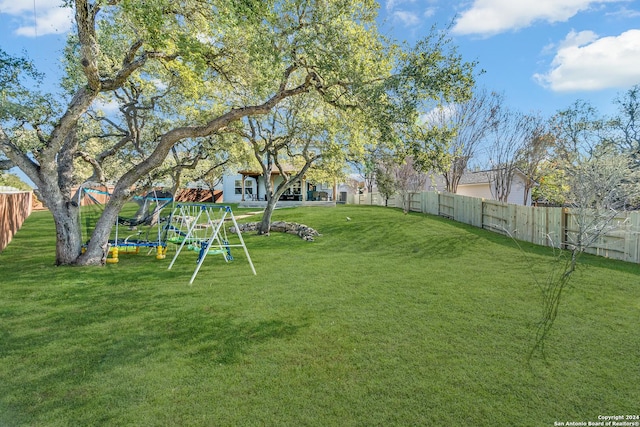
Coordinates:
(15,207)
(546,226)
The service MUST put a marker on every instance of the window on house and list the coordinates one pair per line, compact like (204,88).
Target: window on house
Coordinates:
(296,187)
(248,186)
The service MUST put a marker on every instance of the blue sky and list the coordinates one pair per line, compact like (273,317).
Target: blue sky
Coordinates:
(542,54)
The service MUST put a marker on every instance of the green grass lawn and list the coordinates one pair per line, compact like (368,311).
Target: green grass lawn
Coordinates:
(387,319)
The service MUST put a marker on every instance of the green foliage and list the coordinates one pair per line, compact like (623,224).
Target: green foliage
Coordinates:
(429,76)
(385,319)
(577,131)
(385,181)
(596,173)
(627,123)
(11,180)
(181,74)
(429,144)
(12,71)
(20,100)
(227,57)
(552,186)
(432,73)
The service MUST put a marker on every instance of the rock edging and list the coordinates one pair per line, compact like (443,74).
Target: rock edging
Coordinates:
(300,230)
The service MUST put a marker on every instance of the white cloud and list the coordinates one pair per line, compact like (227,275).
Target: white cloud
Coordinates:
(107,108)
(407,18)
(429,12)
(585,62)
(489,17)
(405,11)
(392,4)
(438,115)
(43,17)
(159,84)
(623,12)
(577,39)
(12,7)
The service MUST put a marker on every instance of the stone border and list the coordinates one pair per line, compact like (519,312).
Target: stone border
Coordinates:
(300,230)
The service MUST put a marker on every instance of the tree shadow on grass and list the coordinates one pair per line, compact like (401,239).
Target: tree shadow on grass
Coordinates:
(221,339)
(528,250)
(55,360)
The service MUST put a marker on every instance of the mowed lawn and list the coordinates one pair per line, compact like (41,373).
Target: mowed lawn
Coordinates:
(387,319)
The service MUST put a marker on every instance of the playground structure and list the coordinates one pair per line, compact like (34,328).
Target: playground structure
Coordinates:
(196,227)
(201,228)
(146,229)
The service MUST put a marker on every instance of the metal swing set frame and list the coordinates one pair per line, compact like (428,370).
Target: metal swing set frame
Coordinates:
(131,244)
(209,218)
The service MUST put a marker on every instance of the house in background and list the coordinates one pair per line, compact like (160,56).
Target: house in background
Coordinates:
(480,184)
(248,190)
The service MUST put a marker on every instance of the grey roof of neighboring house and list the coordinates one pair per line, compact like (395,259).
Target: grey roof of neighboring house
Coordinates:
(468,178)
(480,177)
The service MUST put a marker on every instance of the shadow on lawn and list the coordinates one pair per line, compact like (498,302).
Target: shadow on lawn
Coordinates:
(221,339)
(104,336)
(68,343)
(527,249)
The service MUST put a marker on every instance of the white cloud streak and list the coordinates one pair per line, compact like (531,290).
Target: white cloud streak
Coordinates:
(42,18)
(585,62)
(490,17)
(407,12)
(408,19)
(107,108)
(429,12)
(392,4)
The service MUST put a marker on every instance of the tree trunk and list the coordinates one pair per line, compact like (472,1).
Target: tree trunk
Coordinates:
(65,211)
(265,223)
(527,190)
(143,209)
(98,245)
(68,233)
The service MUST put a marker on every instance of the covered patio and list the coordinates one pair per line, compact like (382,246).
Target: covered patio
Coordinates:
(300,193)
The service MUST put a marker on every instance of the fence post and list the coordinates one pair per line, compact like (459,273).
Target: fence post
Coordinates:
(564,232)
(543,226)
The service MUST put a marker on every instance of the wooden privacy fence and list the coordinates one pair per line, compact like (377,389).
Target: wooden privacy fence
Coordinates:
(545,226)
(15,207)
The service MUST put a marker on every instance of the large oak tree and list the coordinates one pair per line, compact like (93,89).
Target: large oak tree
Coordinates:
(191,70)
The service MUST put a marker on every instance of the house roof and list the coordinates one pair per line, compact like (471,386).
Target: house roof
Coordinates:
(480,177)
(437,181)
(198,195)
(255,174)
